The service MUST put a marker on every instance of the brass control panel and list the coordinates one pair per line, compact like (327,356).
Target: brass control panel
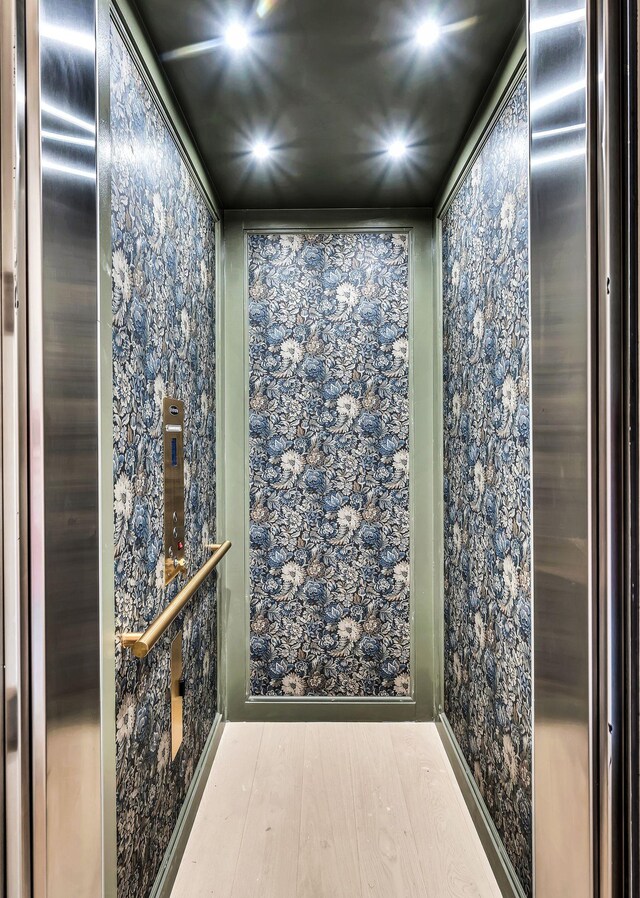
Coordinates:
(177,694)
(173,436)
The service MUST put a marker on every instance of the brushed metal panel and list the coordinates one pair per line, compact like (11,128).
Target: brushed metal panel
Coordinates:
(611,440)
(63,433)
(561,326)
(15,612)
(177,700)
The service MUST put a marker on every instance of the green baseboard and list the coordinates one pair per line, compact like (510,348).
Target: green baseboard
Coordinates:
(502,867)
(323,709)
(173,855)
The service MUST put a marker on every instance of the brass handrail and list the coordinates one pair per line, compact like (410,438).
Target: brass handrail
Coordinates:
(142,643)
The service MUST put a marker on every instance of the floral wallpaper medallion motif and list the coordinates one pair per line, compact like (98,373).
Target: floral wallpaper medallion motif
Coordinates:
(163,344)
(487,537)
(329,464)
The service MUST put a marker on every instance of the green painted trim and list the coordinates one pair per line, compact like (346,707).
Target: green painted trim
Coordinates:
(133,31)
(105,464)
(125,18)
(498,95)
(424,430)
(173,855)
(438,471)
(502,867)
(218,404)
(328,710)
(506,79)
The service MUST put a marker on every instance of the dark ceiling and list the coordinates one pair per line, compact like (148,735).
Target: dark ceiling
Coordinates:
(328,83)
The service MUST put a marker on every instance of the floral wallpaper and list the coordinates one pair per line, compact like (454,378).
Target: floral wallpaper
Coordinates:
(487,535)
(163,344)
(329,464)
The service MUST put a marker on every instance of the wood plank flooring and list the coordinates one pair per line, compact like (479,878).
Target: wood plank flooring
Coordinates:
(333,810)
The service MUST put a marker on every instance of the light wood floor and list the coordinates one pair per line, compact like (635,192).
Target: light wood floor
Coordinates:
(324,810)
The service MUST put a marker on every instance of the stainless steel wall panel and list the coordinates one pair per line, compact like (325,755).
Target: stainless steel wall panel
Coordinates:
(611,439)
(63,433)
(14,481)
(561,333)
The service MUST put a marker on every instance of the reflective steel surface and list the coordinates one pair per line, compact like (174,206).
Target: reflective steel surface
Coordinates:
(15,617)
(611,439)
(63,433)
(562,402)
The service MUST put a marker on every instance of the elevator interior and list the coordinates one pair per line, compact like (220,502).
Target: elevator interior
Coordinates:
(321,143)
(332,283)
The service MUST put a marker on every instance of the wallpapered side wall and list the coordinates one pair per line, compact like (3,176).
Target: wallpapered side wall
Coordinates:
(329,464)
(163,344)
(487,536)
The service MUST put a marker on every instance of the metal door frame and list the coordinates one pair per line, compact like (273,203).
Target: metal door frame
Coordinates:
(583,83)
(14,517)
(630,173)
(63,448)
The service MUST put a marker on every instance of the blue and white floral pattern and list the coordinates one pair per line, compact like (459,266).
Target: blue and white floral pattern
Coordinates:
(163,344)
(487,536)
(329,464)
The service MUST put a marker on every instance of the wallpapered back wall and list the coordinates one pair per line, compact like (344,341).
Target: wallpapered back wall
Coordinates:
(329,464)
(487,537)
(163,344)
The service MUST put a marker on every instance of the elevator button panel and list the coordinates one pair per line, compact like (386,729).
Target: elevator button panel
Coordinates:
(177,694)
(173,436)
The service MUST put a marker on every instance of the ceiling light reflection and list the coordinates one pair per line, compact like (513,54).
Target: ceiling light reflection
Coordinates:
(557,132)
(87,173)
(555,96)
(191,50)
(550,23)
(82,40)
(67,117)
(462,25)
(265,7)
(553,158)
(69,138)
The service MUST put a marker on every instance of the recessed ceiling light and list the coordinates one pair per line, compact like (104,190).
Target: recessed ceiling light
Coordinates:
(397,149)
(236,36)
(261,150)
(428,33)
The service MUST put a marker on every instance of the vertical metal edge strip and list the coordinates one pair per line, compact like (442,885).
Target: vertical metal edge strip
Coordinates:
(16,799)
(631,66)
(610,449)
(105,453)
(36,441)
(564,409)
(63,457)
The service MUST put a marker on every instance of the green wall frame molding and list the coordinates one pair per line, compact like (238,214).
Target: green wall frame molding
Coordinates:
(504,82)
(173,855)
(507,78)
(425,432)
(130,25)
(503,871)
(124,15)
